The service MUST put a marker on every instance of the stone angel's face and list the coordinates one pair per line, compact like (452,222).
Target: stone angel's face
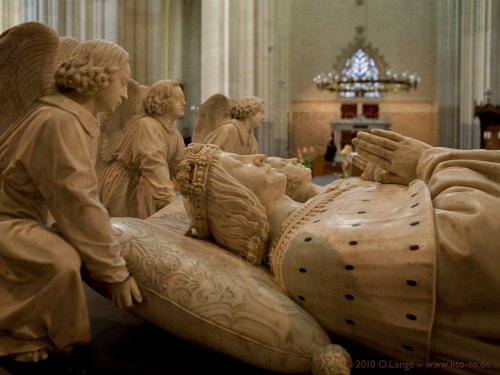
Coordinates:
(257,119)
(263,180)
(109,98)
(179,104)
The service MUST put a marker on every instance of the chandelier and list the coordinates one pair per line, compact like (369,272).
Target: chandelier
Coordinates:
(360,77)
(363,72)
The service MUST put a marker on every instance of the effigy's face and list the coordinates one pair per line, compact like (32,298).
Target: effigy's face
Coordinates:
(109,98)
(263,180)
(289,167)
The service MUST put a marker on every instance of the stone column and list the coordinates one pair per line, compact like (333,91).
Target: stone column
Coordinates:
(191,64)
(466,53)
(9,14)
(272,74)
(78,18)
(150,30)
(227,48)
(244,51)
(495,52)
(474,69)
(172,35)
(448,49)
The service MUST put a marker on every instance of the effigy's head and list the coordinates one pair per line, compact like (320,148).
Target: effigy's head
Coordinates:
(93,66)
(220,205)
(298,177)
(165,96)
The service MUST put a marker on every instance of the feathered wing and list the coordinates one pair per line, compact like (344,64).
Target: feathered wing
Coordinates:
(214,112)
(28,57)
(67,45)
(115,125)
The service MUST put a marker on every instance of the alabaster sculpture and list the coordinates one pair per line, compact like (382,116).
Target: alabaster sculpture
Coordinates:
(403,269)
(229,123)
(195,290)
(299,185)
(140,149)
(259,324)
(47,122)
(66,46)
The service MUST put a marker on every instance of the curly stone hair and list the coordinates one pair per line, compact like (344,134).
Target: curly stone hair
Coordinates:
(91,66)
(246,107)
(160,97)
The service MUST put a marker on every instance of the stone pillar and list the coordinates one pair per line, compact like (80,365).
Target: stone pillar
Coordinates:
(227,48)
(78,18)
(474,69)
(495,52)
(245,52)
(466,49)
(172,35)
(9,14)
(150,30)
(272,74)
(448,55)
(191,64)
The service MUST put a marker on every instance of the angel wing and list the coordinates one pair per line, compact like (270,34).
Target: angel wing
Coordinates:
(114,126)
(68,44)
(28,56)
(214,112)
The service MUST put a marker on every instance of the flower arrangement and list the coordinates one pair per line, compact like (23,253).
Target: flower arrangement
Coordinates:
(306,156)
(347,151)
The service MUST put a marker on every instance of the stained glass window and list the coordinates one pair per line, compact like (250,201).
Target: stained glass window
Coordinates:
(361,68)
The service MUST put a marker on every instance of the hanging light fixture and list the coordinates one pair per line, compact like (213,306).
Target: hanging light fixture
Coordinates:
(364,73)
(362,79)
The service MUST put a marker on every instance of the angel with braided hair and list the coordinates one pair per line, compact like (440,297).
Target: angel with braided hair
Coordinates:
(229,123)
(139,150)
(47,121)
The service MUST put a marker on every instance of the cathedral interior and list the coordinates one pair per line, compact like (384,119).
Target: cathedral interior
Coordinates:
(427,69)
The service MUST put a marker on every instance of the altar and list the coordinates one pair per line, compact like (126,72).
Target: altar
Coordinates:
(345,129)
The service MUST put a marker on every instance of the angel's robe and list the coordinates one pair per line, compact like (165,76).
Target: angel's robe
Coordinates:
(136,181)
(45,164)
(234,137)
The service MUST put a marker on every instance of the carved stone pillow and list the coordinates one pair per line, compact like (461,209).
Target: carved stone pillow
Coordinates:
(195,290)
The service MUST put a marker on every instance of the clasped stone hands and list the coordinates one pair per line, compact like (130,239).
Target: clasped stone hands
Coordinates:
(394,156)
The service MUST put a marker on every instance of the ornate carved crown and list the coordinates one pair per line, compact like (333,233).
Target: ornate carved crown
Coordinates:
(192,180)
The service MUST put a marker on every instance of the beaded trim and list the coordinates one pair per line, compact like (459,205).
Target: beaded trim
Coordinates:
(192,179)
